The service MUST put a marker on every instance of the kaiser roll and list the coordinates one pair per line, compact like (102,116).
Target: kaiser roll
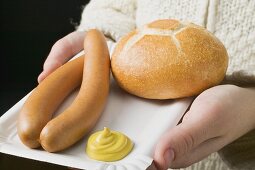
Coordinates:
(169,59)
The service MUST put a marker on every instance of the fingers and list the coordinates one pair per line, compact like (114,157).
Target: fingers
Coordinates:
(212,122)
(61,52)
(198,153)
(48,70)
(175,147)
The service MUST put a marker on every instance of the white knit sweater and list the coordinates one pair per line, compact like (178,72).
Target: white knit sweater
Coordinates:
(232,21)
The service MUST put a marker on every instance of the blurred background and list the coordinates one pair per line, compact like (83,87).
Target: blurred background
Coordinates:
(28,29)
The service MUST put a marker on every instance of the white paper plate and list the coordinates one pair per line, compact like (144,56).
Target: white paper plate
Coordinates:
(144,121)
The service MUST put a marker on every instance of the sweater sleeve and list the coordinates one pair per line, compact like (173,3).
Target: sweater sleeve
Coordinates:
(113,17)
(233,23)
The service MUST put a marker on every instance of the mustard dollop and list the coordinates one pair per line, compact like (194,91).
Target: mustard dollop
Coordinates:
(108,145)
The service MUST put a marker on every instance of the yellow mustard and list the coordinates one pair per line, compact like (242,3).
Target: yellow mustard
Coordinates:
(108,145)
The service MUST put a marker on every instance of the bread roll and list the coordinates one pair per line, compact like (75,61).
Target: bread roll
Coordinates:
(169,59)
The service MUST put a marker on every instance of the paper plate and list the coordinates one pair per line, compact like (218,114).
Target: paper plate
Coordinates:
(142,120)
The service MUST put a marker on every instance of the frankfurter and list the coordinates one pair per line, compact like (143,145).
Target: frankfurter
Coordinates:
(81,116)
(45,99)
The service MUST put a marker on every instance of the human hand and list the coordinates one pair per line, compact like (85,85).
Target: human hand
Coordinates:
(61,52)
(217,117)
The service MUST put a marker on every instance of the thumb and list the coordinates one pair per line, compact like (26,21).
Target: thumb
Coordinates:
(61,52)
(179,141)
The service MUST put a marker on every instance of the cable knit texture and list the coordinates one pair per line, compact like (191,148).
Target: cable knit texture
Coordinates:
(191,10)
(114,18)
(232,21)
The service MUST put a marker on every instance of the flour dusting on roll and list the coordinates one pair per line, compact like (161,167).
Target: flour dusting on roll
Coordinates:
(169,59)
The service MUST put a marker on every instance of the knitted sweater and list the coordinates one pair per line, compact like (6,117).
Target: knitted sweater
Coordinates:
(232,21)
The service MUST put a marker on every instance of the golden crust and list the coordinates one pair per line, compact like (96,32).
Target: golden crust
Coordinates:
(158,66)
(207,57)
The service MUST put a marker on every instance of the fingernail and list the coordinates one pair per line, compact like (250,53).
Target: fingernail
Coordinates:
(169,156)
